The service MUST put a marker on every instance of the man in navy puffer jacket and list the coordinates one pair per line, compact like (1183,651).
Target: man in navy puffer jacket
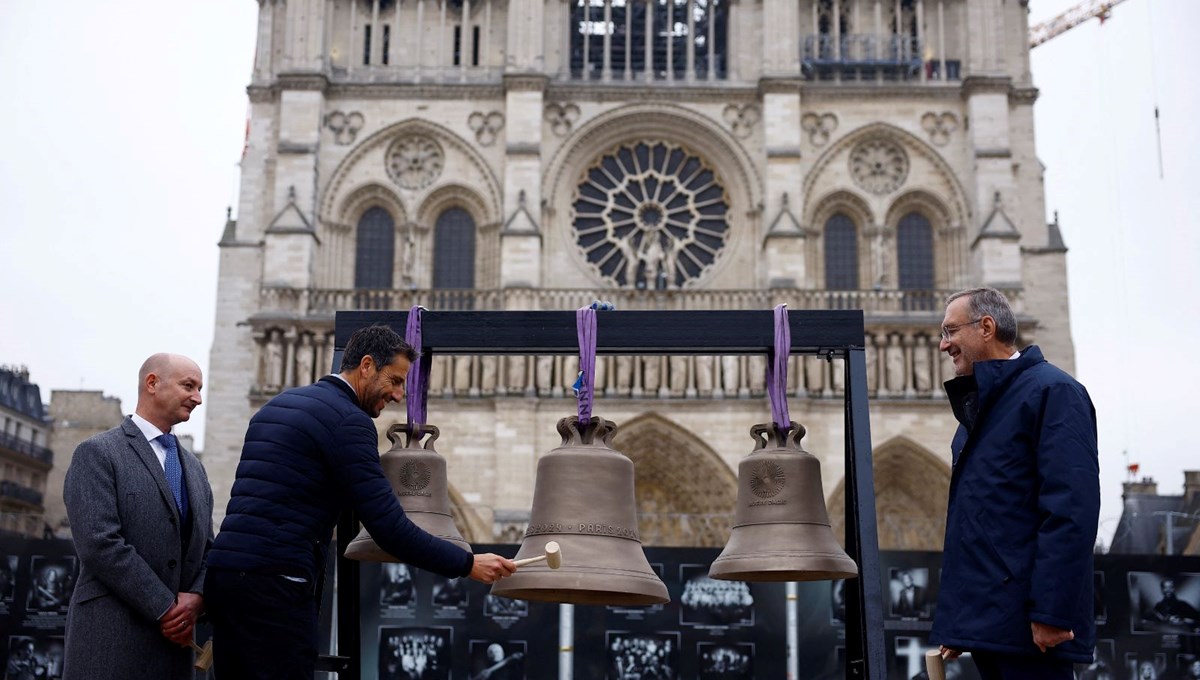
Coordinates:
(1016,586)
(309,453)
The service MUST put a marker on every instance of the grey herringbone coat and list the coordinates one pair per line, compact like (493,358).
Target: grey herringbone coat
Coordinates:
(132,561)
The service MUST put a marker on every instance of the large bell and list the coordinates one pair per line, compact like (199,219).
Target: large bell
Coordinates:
(583,499)
(418,476)
(781,528)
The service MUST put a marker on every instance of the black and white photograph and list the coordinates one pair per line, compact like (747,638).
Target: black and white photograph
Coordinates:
(8,579)
(642,656)
(1146,666)
(709,602)
(909,595)
(53,581)
(34,659)
(397,589)
(726,660)
(1103,665)
(837,602)
(450,593)
(1165,604)
(1187,666)
(504,607)
(415,653)
(497,660)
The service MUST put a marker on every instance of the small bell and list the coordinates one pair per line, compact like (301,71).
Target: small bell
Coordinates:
(781,528)
(584,500)
(418,476)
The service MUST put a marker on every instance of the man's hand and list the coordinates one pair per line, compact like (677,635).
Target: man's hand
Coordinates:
(179,621)
(948,653)
(1045,636)
(489,568)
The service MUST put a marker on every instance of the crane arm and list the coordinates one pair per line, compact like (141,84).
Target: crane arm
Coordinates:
(1069,19)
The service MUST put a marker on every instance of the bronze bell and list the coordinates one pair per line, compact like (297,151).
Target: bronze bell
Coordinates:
(418,476)
(583,498)
(781,528)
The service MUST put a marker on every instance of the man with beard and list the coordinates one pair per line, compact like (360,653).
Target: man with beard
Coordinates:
(309,453)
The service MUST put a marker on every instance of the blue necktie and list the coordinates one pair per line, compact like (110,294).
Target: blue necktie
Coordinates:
(174,471)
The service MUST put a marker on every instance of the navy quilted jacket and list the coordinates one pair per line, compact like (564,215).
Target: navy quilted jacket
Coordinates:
(310,452)
(1024,504)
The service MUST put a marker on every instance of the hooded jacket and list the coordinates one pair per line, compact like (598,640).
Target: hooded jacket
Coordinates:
(1023,510)
(309,453)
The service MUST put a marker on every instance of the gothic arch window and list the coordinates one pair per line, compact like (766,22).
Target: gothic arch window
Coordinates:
(841,253)
(454,250)
(914,250)
(914,259)
(375,249)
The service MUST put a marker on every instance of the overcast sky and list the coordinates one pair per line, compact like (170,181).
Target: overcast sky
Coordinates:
(125,122)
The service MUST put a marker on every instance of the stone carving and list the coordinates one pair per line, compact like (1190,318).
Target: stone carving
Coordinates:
(704,375)
(819,127)
(922,368)
(939,126)
(304,360)
(273,371)
(345,126)
(650,215)
(742,118)
(894,354)
(486,126)
(678,367)
(878,165)
(561,117)
(414,161)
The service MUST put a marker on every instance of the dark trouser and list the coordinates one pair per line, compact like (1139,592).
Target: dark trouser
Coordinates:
(264,626)
(996,666)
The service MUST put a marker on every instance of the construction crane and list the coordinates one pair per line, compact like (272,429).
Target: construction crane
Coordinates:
(1098,9)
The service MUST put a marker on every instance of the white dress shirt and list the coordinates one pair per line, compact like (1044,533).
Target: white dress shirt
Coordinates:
(152,433)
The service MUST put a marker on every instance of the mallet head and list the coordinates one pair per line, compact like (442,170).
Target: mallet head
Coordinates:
(553,555)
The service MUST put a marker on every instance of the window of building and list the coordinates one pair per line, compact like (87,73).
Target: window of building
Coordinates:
(914,247)
(375,249)
(841,253)
(454,259)
(676,28)
(367,45)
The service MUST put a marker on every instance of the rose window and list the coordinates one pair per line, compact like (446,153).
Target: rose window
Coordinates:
(414,161)
(879,166)
(650,215)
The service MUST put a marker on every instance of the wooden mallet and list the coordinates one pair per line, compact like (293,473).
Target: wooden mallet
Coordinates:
(935,665)
(553,557)
(203,655)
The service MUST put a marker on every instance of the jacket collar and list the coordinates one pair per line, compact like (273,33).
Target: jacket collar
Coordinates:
(342,385)
(137,441)
(971,394)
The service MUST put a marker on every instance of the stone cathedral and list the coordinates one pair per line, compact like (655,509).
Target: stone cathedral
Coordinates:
(660,154)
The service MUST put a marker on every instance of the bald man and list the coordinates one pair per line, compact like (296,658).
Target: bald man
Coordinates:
(140,509)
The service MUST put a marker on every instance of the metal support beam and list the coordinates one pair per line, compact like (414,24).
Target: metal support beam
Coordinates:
(826,333)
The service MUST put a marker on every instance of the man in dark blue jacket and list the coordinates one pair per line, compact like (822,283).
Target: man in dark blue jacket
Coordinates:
(1016,586)
(309,453)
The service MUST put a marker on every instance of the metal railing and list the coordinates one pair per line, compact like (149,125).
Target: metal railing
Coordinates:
(20,492)
(28,448)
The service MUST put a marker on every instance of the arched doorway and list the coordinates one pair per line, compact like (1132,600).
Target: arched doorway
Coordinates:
(685,493)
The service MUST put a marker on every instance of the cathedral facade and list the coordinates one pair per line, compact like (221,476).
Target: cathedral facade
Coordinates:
(661,154)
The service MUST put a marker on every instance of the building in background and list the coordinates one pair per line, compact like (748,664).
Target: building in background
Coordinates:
(1152,524)
(77,414)
(25,457)
(661,154)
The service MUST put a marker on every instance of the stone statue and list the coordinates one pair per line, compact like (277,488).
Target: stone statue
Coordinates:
(678,366)
(304,360)
(704,375)
(274,361)
(895,365)
(922,368)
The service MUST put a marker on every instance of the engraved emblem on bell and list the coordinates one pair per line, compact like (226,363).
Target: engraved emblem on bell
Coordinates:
(584,500)
(414,475)
(417,473)
(781,527)
(767,479)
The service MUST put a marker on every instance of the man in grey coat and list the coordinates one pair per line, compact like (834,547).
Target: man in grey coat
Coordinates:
(140,509)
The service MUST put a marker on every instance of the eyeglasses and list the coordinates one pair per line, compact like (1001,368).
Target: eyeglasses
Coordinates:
(948,331)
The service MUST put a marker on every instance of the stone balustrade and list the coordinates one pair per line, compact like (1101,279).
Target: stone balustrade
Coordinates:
(295,342)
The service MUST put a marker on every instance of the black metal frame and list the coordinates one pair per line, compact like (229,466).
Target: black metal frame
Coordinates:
(824,333)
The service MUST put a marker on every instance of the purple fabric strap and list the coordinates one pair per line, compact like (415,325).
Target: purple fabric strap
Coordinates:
(777,369)
(418,382)
(585,322)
